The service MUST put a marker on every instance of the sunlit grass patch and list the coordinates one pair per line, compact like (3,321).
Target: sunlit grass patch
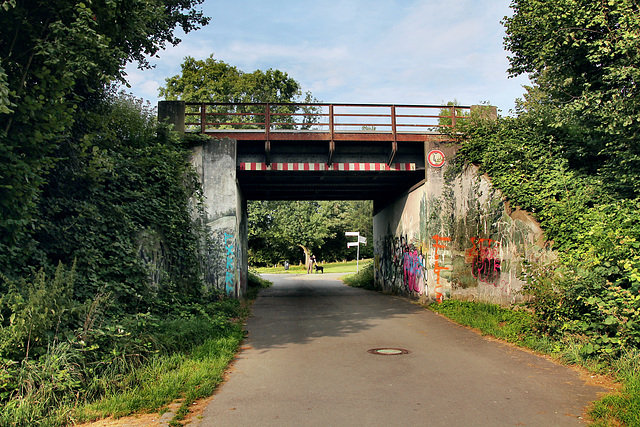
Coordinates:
(166,378)
(623,407)
(329,267)
(492,319)
(363,278)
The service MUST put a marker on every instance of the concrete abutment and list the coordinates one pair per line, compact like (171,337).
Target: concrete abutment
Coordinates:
(225,216)
(454,237)
(224,252)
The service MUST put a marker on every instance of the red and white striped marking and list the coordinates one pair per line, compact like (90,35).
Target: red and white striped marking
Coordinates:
(375,167)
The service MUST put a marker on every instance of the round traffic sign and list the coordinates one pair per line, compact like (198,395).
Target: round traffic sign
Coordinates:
(435,158)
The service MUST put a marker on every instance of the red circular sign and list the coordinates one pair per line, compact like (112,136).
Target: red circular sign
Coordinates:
(435,158)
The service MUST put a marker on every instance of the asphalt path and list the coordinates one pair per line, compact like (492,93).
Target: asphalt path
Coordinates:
(306,362)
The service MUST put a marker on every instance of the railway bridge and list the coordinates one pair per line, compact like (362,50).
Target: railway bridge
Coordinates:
(431,236)
(319,151)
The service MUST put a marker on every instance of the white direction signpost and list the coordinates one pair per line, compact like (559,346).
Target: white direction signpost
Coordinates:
(362,240)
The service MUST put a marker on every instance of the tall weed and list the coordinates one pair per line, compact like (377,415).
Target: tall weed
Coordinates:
(34,311)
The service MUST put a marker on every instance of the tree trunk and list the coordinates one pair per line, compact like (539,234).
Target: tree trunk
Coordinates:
(307,256)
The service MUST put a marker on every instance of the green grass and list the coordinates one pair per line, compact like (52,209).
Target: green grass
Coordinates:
(187,362)
(622,408)
(330,267)
(363,278)
(188,376)
(491,319)
(163,379)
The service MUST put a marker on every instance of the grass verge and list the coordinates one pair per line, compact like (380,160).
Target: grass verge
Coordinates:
(362,279)
(622,408)
(166,378)
(188,366)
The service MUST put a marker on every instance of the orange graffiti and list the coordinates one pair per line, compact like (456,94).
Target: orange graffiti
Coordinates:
(437,267)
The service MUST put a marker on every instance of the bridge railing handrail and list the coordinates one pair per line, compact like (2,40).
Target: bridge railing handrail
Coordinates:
(316,116)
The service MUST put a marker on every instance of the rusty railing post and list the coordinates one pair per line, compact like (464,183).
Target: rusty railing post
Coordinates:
(453,116)
(203,118)
(267,131)
(332,142)
(394,143)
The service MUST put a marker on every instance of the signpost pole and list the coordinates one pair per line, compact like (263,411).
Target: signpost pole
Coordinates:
(360,240)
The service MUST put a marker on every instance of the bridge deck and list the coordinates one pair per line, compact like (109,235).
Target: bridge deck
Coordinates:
(326,151)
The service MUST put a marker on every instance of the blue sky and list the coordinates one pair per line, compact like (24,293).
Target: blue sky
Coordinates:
(356,51)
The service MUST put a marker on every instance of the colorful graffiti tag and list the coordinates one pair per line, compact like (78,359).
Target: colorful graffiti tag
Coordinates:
(437,268)
(484,257)
(402,265)
(413,269)
(230,278)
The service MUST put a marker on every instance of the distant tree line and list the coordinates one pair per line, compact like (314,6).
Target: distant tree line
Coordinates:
(292,231)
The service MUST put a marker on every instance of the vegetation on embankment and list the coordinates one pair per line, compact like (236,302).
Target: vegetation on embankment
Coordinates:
(141,365)
(571,157)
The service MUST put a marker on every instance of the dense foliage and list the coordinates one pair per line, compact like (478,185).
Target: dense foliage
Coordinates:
(584,57)
(116,218)
(571,156)
(55,56)
(100,247)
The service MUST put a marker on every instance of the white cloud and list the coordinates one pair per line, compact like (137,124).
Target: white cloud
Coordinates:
(357,50)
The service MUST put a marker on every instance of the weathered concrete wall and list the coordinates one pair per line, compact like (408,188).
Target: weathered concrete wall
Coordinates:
(225,216)
(454,237)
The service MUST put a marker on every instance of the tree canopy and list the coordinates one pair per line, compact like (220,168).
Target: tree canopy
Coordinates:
(584,58)
(56,57)
(293,230)
(212,80)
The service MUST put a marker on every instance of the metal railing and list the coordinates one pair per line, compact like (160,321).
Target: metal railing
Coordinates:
(319,117)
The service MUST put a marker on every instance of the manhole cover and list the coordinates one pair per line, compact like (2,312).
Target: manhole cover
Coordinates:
(389,351)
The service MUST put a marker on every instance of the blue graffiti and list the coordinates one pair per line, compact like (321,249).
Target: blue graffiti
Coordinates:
(230,278)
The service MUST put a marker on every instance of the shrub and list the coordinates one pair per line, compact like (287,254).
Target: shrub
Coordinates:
(34,311)
(363,279)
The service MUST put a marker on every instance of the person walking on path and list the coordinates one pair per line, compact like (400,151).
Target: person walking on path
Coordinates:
(312,262)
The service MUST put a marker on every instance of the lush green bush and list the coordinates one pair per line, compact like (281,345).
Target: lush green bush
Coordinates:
(362,279)
(591,290)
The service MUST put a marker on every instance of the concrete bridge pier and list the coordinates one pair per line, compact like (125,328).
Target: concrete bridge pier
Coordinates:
(225,215)
(225,209)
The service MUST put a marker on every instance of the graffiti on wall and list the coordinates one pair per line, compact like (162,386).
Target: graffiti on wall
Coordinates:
(402,265)
(154,256)
(413,270)
(230,278)
(484,257)
(218,261)
(437,268)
